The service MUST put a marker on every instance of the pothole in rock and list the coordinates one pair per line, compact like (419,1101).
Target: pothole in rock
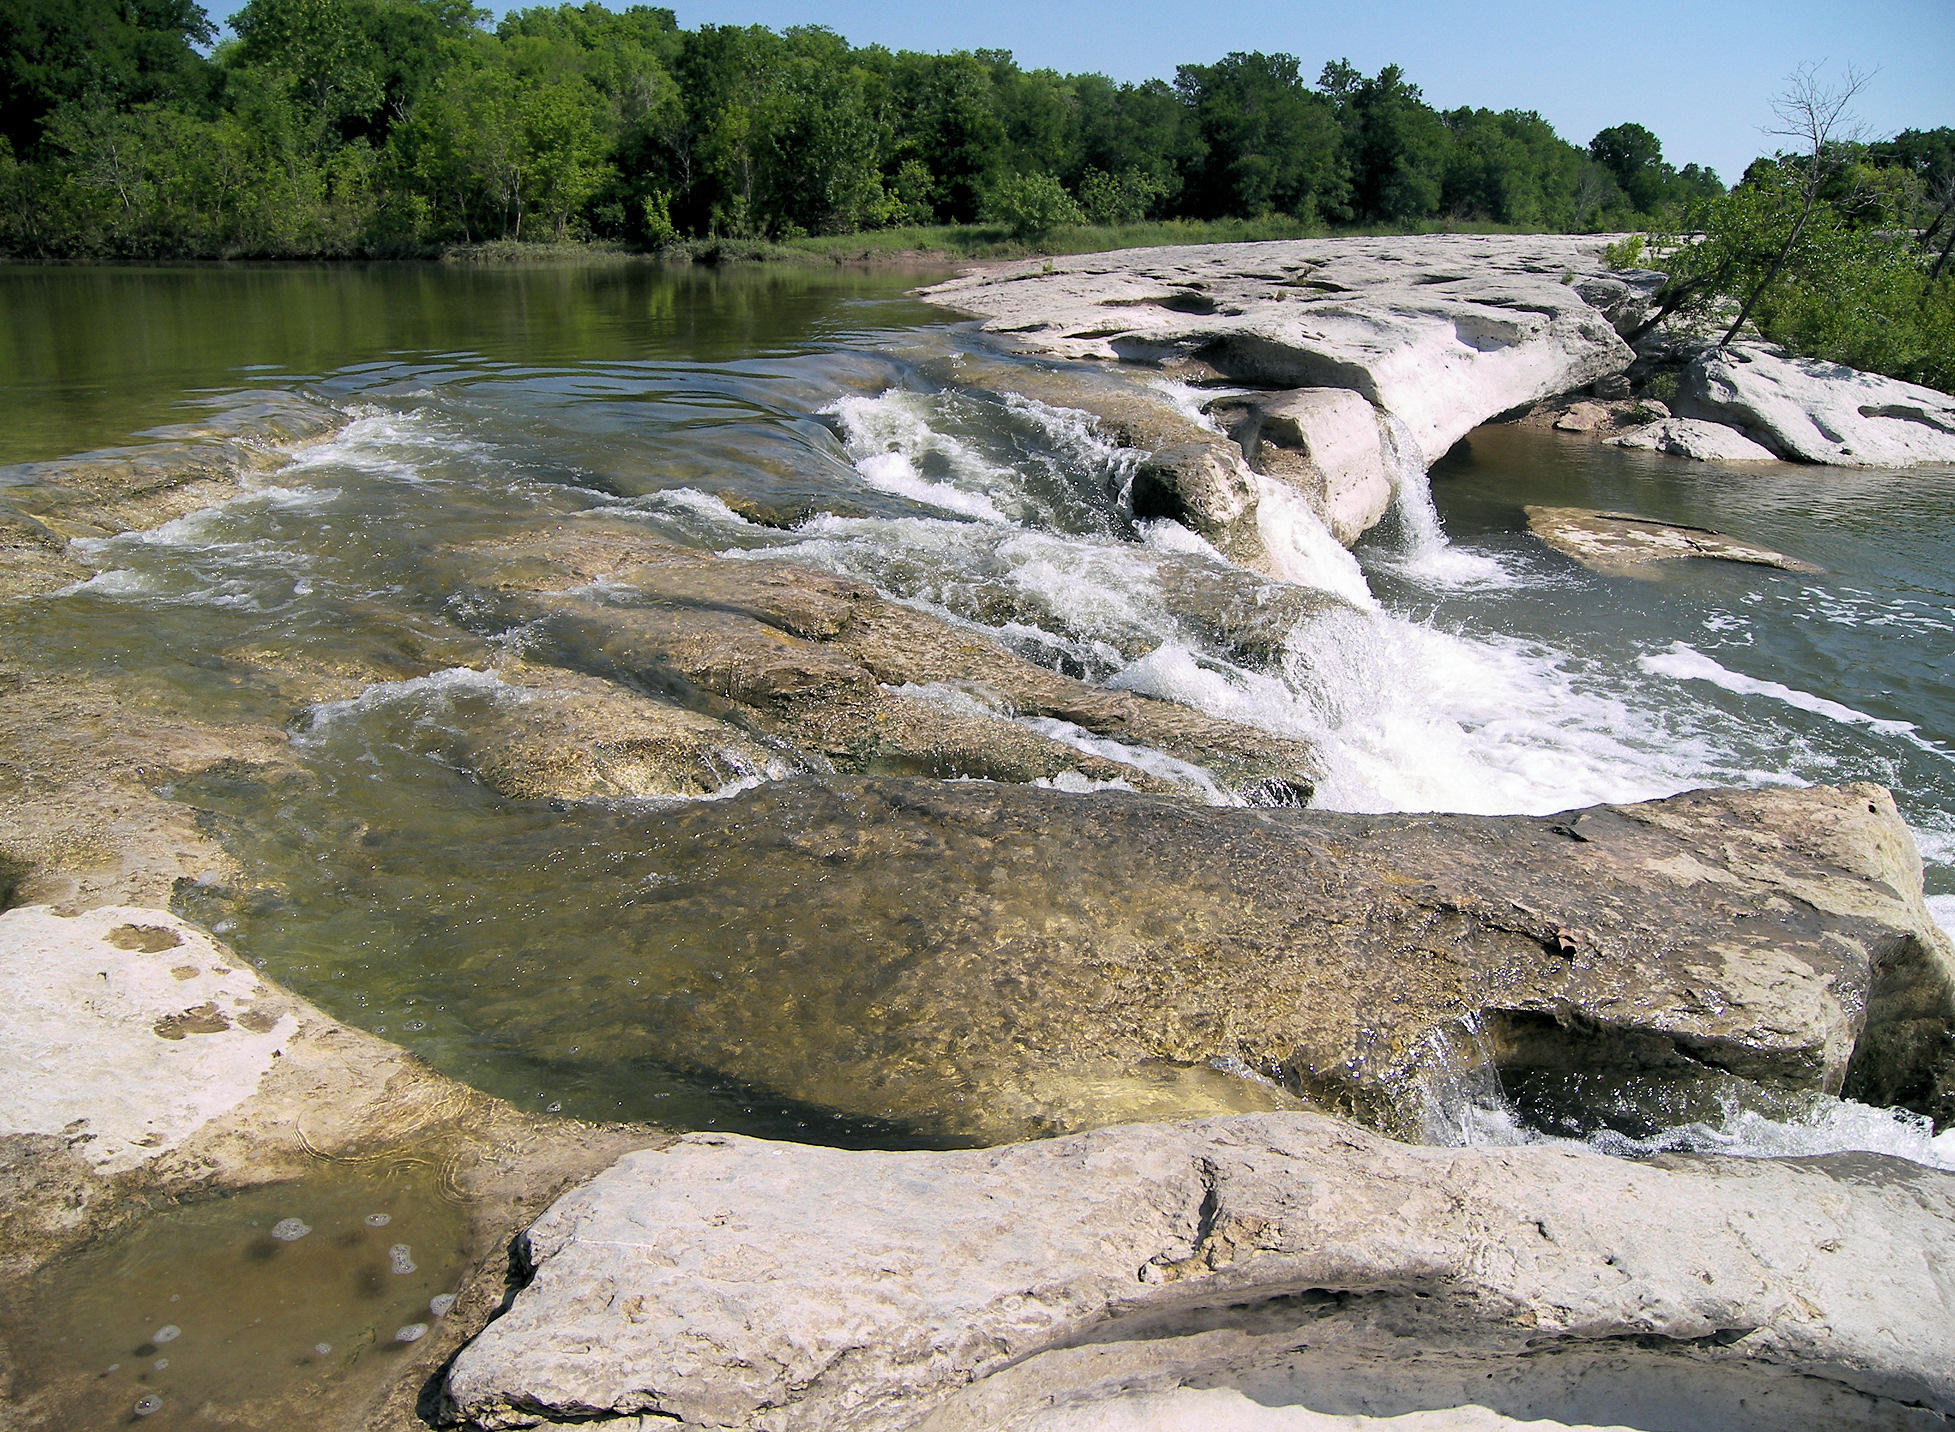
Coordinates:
(276,1307)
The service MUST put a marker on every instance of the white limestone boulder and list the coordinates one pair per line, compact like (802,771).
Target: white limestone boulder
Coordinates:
(726,1282)
(1441,331)
(1694,438)
(1328,444)
(1811,411)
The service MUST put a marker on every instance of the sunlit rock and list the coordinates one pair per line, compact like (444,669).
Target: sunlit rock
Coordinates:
(1442,332)
(726,1282)
(1328,443)
(1806,410)
(1694,438)
(1620,545)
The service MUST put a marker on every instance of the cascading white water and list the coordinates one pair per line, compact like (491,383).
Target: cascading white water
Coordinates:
(1425,553)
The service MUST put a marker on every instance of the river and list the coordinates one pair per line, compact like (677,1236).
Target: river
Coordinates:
(1473,670)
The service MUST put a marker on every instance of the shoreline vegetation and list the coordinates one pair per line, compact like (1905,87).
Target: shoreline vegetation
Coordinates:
(405,128)
(411,129)
(921,246)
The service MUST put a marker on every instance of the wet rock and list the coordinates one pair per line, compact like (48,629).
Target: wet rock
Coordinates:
(1619,545)
(1022,961)
(557,734)
(146,1065)
(1806,410)
(727,1282)
(85,766)
(188,466)
(848,680)
(1694,438)
(1325,443)
(1185,470)
(1441,332)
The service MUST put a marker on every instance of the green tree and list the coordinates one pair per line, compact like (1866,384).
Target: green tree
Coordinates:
(1265,143)
(1031,205)
(104,53)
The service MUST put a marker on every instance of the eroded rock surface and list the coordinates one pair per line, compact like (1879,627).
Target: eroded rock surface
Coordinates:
(839,678)
(730,1283)
(1019,961)
(1806,410)
(1618,544)
(1441,332)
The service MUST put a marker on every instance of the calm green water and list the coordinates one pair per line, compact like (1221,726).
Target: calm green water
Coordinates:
(403,895)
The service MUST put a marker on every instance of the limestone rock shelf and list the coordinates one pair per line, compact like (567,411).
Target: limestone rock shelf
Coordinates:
(725,1282)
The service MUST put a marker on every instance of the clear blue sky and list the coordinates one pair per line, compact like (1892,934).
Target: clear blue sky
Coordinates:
(1700,73)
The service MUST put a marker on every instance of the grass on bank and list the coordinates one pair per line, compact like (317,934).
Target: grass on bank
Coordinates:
(959,242)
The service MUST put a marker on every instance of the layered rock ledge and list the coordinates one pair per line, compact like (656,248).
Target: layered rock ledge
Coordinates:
(724,1282)
(1021,962)
(1377,355)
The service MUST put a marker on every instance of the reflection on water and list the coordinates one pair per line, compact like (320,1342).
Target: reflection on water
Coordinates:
(270,1308)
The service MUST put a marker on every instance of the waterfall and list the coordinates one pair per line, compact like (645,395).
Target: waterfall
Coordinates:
(1425,553)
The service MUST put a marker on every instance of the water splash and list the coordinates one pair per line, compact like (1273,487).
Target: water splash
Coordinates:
(1466,1106)
(1425,553)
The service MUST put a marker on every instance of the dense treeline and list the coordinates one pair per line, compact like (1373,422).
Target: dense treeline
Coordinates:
(397,126)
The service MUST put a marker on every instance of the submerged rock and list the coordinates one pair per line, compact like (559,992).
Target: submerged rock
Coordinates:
(982,962)
(1619,545)
(1442,332)
(730,1283)
(1694,438)
(188,466)
(840,678)
(1807,410)
(85,769)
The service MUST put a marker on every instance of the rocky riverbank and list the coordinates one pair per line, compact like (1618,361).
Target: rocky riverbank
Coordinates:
(1372,354)
(1160,1059)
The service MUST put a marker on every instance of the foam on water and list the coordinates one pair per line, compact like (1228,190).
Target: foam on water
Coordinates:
(1302,547)
(1827,1126)
(1942,909)
(1686,663)
(1143,758)
(433,695)
(1408,717)
(889,438)
(1426,554)
(384,443)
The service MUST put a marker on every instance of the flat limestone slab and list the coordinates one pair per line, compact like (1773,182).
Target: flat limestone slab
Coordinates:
(727,1282)
(1442,332)
(1619,545)
(1694,438)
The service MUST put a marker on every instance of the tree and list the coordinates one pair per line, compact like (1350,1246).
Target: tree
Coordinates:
(1264,143)
(105,53)
(1031,205)
(1816,117)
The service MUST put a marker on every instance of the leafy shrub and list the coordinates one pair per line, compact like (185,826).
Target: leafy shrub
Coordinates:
(1031,205)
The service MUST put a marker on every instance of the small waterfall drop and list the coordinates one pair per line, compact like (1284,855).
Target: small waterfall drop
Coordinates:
(1426,554)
